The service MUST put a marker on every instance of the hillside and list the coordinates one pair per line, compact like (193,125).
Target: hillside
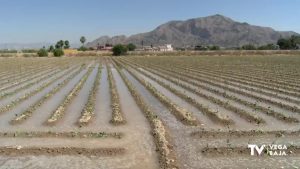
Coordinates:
(210,30)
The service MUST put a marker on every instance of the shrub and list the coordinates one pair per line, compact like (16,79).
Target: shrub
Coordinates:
(119,50)
(284,44)
(290,43)
(82,48)
(8,51)
(199,47)
(268,47)
(51,48)
(29,55)
(58,52)
(29,51)
(248,47)
(6,55)
(131,47)
(42,52)
(214,47)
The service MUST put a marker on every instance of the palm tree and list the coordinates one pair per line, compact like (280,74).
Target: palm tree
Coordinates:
(82,40)
(67,44)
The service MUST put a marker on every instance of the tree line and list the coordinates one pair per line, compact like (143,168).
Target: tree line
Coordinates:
(58,48)
(291,43)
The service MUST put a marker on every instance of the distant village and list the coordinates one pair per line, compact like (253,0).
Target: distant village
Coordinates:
(62,47)
(151,48)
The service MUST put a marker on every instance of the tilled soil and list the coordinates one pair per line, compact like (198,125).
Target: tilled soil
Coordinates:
(154,132)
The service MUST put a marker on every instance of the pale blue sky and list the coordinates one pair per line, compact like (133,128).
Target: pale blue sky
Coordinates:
(28,21)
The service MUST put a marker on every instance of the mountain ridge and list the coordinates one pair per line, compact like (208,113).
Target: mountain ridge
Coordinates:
(210,30)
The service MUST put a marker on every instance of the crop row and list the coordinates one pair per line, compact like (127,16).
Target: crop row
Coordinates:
(22,75)
(25,78)
(226,87)
(259,74)
(267,86)
(265,72)
(239,74)
(19,65)
(25,151)
(245,85)
(27,95)
(242,113)
(214,115)
(167,158)
(28,112)
(241,133)
(20,72)
(89,109)
(251,77)
(213,77)
(267,111)
(239,91)
(38,80)
(117,114)
(24,81)
(60,110)
(72,134)
(181,114)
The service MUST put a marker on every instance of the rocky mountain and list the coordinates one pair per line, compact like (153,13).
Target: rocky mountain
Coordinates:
(210,30)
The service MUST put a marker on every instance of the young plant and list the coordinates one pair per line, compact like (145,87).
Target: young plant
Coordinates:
(117,114)
(89,108)
(28,112)
(60,110)
(167,158)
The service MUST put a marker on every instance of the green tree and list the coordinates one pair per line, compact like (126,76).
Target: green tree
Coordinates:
(289,43)
(59,44)
(51,48)
(66,44)
(200,47)
(248,47)
(214,47)
(42,52)
(58,52)
(82,48)
(82,40)
(268,47)
(119,50)
(131,47)
(295,40)
(284,44)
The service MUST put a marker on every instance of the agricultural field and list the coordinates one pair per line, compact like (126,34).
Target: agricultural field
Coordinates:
(133,112)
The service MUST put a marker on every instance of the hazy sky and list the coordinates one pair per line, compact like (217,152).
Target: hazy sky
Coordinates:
(27,21)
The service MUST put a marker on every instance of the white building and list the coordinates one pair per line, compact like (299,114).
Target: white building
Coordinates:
(163,48)
(166,48)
